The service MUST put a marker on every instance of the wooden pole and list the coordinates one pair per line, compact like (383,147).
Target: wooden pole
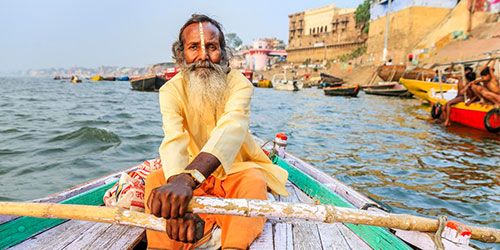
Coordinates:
(240,207)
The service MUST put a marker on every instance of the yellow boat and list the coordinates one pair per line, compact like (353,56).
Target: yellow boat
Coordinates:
(264,84)
(421,89)
(96,78)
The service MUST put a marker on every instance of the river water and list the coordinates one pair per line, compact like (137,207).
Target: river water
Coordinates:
(55,135)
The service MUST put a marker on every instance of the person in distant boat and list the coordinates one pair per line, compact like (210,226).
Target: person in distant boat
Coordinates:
(389,62)
(207,149)
(470,77)
(489,93)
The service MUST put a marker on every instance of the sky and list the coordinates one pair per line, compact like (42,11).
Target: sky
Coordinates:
(38,34)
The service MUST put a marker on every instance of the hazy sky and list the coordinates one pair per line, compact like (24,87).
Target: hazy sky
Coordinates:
(90,33)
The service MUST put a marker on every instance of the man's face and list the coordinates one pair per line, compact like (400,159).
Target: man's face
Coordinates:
(193,46)
(486,78)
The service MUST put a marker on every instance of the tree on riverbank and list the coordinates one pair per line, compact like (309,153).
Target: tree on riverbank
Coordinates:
(362,14)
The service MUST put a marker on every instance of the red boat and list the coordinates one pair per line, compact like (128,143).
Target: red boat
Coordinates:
(475,115)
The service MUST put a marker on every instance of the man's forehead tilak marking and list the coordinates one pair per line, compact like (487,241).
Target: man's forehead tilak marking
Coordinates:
(202,38)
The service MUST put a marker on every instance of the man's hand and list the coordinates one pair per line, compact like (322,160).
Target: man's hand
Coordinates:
(170,201)
(188,229)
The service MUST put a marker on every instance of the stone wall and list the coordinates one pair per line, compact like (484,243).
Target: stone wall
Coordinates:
(407,27)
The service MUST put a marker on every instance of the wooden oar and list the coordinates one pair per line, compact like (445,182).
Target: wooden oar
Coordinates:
(241,207)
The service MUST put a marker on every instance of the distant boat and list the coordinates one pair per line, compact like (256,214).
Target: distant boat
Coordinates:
(74,79)
(154,81)
(391,73)
(348,90)
(281,83)
(96,78)
(330,79)
(419,74)
(147,83)
(380,85)
(264,84)
(123,78)
(395,90)
(109,78)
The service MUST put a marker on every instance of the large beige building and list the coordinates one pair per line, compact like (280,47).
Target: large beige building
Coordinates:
(322,33)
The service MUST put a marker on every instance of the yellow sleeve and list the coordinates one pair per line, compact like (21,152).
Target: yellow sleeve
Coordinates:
(173,150)
(227,137)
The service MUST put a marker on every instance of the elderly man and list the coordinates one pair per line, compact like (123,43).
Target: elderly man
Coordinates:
(207,149)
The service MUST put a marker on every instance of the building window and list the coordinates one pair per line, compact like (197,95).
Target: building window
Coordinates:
(321,30)
(326,28)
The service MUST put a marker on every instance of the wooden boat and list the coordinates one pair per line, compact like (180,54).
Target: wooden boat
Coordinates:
(123,78)
(348,90)
(380,85)
(390,73)
(419,73)
(109,78)
(147,83)
(306,184)
(264,84)
(475,115)
(74,79)
(396,90)
(421,89)
(96,78)
(330,79)
(280,82)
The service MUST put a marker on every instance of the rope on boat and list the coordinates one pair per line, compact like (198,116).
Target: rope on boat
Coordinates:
(438,241)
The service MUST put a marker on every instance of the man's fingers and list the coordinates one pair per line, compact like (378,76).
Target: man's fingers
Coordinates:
(150,199)
(168,227)
(174,207)
(182,230)
(156,207)
(175,229)
(183,206)
(190,231)
(165,209)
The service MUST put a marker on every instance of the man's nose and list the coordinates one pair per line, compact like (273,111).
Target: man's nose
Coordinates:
(202,54)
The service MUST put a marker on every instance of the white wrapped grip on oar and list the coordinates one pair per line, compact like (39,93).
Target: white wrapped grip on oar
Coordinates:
(240,207)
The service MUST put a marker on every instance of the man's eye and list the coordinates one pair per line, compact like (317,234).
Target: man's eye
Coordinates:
(193,47)
(212,47)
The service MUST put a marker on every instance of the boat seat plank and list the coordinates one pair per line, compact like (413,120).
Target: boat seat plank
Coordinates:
(283,236)
(265,240)
(306,237)
(75,234)
(333,236)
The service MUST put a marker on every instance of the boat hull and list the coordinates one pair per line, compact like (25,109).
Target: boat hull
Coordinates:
(421,89)
(351,90)
(149,83)
(388,92)
(391,73)
(289,86)
(473,115)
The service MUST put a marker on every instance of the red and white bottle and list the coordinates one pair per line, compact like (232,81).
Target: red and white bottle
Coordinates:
(280,142)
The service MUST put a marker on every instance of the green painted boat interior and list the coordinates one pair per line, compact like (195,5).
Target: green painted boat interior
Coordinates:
(376,237)
(22,228)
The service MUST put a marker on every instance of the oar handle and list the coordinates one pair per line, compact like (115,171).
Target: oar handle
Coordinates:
(239,207)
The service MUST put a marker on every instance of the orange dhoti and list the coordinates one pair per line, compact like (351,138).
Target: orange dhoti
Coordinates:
(237,231)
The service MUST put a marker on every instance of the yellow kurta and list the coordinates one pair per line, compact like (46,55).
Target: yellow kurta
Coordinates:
(229,139)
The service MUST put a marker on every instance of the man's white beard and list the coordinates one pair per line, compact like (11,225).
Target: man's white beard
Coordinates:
(206,91)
